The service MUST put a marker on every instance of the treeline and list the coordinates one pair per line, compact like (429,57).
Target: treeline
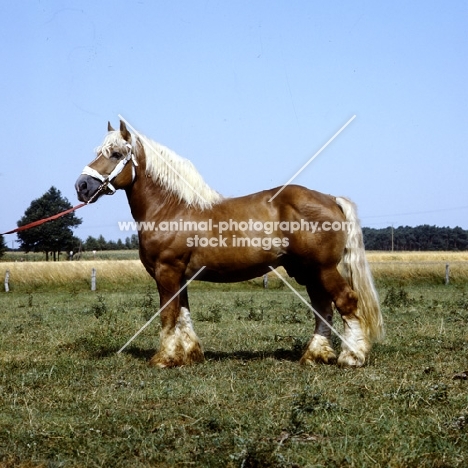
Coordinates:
(423,237)
(99,243)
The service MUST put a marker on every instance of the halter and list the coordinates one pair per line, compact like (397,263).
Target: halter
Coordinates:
(106,180)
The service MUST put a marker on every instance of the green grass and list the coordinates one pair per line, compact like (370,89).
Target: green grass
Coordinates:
(67,399)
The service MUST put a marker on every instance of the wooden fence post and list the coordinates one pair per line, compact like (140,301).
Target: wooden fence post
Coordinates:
(93,279)
(447,273)
(7,279)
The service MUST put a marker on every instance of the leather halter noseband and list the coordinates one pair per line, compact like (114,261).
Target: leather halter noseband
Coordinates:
(106,180)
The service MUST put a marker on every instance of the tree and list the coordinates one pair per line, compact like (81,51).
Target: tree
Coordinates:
(51,237)
(131,242)
(423,237)
(3,246)
(91,243)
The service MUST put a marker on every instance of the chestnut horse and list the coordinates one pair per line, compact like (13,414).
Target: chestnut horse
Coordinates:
(184,225)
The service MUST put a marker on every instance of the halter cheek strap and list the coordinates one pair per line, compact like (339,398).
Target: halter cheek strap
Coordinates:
(106,180)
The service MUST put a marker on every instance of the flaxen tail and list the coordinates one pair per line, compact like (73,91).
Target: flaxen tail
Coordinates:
(359,276)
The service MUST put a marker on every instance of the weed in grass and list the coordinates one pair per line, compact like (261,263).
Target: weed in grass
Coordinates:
(297,313)
(99,308)
(255,314)
(457,308)
(241,302)
(149,303)
(104,339)
(30,301)
(306,403)
(121,308)
(262,454)
(273,304)
(213,314)
(298,343)
(36,318)
(396,298)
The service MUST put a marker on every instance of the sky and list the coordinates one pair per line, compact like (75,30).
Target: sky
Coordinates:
(248,91)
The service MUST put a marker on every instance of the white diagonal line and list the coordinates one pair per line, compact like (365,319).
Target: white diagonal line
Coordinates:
(312,158)
(150,143)
(161,309)
(336,332)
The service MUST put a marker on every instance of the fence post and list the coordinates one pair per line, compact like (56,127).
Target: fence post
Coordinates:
(93,279)
(7,279)
(447,273)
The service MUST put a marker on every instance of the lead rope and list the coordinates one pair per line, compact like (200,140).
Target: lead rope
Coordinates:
(93,173)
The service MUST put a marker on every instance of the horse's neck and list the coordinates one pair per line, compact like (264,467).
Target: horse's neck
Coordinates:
(148,200)
(154,197)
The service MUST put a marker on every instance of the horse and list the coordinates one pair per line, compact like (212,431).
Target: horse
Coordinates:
(185,226)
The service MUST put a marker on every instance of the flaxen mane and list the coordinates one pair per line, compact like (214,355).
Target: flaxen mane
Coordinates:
(176,174)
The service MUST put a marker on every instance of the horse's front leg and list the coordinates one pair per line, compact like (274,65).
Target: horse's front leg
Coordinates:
(179,345)
(319,348)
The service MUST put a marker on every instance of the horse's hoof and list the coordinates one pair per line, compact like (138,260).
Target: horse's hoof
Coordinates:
(351,359)
(162,362)
(318,351)
(324,357)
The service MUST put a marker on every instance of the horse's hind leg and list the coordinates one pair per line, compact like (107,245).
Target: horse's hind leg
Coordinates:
(319,348)
(192,348)
(355,345)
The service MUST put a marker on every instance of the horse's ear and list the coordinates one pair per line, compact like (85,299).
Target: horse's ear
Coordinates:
(124,132)
(109,127)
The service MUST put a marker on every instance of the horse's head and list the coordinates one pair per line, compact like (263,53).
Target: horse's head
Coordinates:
(109,171)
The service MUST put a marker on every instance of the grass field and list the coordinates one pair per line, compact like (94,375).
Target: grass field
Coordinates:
(68,400)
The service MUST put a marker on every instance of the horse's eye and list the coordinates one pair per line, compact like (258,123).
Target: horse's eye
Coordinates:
(116,155)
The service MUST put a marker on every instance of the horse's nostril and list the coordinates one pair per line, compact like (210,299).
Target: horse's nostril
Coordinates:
(83,186)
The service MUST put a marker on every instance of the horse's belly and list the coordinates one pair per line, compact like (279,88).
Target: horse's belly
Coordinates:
(232,265)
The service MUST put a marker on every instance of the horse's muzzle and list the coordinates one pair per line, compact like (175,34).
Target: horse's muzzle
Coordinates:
(86,186)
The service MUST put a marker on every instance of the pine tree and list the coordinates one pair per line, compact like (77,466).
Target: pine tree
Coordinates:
(51,237)
(3,246)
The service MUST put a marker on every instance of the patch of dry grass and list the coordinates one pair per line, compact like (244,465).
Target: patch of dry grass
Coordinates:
(401,267)
(442,257)
(418,267)
(36,274)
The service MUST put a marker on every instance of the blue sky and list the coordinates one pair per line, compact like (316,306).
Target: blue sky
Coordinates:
(248,91)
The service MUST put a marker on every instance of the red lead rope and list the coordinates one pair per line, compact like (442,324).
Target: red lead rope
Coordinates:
(42,221)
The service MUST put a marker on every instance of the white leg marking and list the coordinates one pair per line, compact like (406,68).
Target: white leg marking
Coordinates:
(187,334)
(318,350)
(182,336)
(356,347)
(320,345)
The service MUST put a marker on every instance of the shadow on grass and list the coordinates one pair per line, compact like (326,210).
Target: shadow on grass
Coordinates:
(279,354)
(240,355)
(104,350)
